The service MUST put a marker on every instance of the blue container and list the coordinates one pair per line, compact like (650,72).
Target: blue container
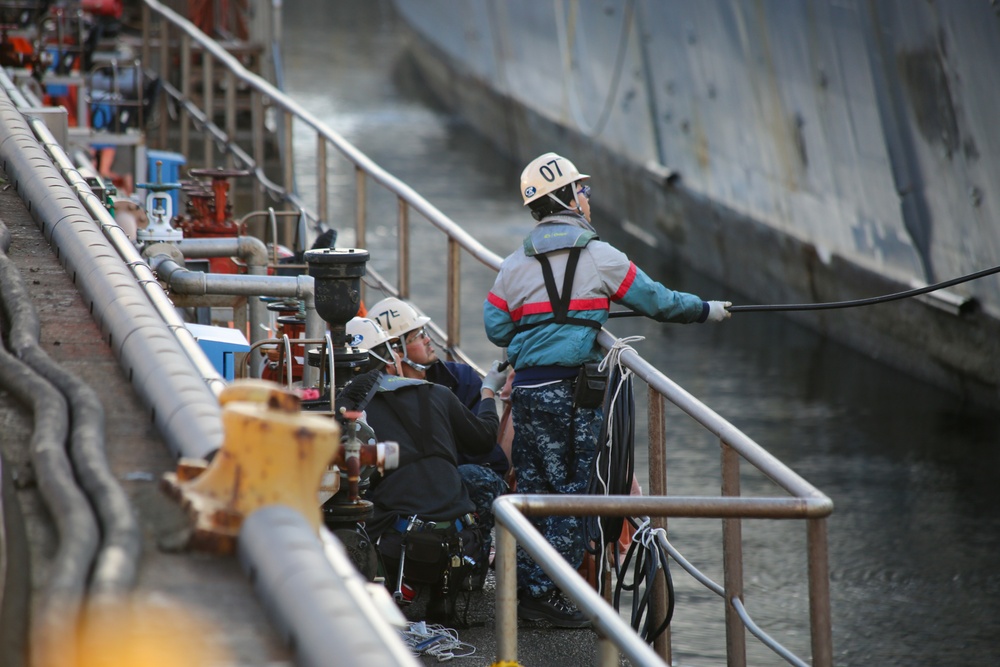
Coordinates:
(169,172)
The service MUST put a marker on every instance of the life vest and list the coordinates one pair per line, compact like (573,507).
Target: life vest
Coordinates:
(551,237)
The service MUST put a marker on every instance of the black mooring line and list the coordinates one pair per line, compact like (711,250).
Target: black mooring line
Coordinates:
(844,304)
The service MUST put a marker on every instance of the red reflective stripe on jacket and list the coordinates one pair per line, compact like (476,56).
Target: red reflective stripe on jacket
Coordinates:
(623,288)
(545,307)
(497,301)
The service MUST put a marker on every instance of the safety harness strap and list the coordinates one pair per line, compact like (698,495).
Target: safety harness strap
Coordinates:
(560,302)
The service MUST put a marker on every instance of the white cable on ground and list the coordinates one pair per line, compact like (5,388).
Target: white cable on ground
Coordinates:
(436,641)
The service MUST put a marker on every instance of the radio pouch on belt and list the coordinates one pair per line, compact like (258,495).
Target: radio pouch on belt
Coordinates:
(591,384)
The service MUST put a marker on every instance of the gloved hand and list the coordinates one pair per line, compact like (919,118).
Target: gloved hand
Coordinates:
(717,311)
(495,378)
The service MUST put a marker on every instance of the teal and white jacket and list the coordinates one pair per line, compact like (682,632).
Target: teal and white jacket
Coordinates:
(603,275)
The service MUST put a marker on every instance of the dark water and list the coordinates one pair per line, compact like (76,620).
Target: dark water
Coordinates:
(915,536)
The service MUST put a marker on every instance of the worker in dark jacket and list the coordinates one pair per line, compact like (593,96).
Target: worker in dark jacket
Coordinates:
(425,493)
(420,361)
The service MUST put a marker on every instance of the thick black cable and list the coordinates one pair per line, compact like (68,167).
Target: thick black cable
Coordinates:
(55,619)
(650,558)
(116,565)
(15,574)
(845,304)
(613,465)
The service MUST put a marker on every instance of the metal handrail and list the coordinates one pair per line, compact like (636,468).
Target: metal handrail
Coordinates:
(513,528)
(806,503)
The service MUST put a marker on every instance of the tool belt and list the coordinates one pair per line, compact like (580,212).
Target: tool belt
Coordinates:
(432,552)
(591,384)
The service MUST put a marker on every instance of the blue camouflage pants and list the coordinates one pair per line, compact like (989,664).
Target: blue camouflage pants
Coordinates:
(551,456)
(483,485)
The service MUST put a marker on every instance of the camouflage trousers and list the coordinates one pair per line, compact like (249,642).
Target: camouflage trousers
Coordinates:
(554,446)
(483,486)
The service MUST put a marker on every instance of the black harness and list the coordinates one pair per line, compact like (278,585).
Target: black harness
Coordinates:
(560,302)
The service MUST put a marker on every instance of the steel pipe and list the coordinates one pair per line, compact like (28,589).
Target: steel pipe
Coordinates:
(199,283)
(182,404)
(251,250)
(321,604)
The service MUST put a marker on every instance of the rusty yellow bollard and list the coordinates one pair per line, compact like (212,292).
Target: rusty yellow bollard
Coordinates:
(272,453)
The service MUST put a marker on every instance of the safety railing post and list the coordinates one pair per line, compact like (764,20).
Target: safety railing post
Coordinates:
(656,428)
(506,596)
(208,96)
(732,557)
(403,249)
(361,213)
(360,207)
(288,164)
(454,293)
(257,121)
(819,593)
(322,197)
(185,93)
(230,114)
(164,68)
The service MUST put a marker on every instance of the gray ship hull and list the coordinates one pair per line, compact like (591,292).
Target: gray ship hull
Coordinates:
(796,152)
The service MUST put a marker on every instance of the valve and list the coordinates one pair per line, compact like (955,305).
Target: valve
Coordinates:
(159,210)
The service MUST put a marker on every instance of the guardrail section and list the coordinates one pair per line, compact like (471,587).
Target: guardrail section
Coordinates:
(175,40)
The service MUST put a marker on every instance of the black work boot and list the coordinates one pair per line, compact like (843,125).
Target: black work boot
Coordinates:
(554,608)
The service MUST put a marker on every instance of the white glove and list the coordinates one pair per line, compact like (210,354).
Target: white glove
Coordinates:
(717,311)
(495,378)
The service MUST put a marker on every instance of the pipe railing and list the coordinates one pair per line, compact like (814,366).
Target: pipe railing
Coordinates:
(513,528)
(806,503)
(366,169)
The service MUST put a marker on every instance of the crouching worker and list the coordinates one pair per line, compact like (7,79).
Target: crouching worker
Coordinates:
(426,527)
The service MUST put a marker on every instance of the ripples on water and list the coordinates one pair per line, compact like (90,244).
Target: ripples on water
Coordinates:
(914,538)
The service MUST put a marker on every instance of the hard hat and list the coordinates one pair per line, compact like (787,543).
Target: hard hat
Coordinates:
(366,333)
(397,317)
(547,173)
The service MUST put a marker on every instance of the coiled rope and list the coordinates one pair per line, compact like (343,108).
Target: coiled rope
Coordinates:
(611,474)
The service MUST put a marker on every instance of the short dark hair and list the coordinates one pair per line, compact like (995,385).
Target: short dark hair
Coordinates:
(544,206)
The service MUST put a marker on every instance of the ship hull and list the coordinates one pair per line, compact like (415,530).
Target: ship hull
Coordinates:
(797,155)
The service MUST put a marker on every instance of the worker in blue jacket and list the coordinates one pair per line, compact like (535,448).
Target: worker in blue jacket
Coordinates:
(549,301)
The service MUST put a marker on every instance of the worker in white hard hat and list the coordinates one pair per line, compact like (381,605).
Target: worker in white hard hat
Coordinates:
(425,493)
(549,301)
(484,474)
(420,360)
(368,335)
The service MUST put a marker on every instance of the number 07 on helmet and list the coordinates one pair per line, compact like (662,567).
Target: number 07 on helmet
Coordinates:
(547,173)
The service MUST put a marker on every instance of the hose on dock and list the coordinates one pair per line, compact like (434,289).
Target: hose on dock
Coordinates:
(854,303)
(66,412)
(53,627)
(15,574)
(115,569)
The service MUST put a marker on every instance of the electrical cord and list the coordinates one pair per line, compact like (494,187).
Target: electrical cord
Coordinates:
(613,467)
(649,558)
(845,304)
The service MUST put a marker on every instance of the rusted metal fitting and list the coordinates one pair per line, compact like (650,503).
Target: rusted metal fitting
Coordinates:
(272,453)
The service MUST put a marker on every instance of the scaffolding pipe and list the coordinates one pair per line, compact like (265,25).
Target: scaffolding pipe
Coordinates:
(199,283)
(249,249)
